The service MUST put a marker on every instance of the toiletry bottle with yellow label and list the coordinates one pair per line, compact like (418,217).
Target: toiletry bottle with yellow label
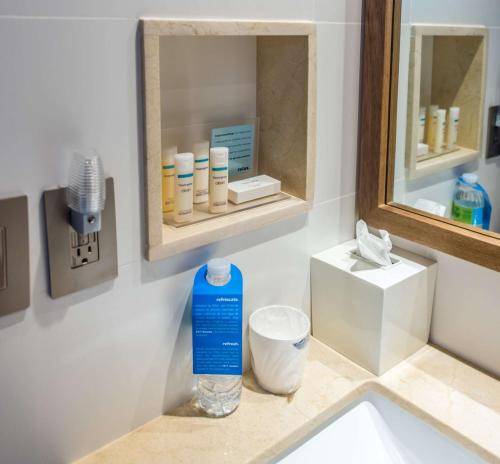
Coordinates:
(183,205)
(431,125)
(168,178)
(201,152)
(219,159)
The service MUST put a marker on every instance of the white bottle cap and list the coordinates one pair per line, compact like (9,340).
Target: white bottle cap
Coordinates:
(470,177)
(184,163)
(168,154)
(219,155)
(201,148)
(218,269)
(454,111)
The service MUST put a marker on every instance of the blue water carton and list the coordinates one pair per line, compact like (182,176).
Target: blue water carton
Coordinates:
(217,319)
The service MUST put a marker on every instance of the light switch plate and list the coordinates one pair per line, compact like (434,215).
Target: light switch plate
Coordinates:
(66,276)
(14,255)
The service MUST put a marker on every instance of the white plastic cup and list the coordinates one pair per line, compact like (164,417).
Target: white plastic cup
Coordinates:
(279,341)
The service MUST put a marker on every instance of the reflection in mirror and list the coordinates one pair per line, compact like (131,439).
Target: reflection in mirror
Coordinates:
(447,159)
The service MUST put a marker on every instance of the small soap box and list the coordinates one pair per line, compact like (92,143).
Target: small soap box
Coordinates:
(253,188)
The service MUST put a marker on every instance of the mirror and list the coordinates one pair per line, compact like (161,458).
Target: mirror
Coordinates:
(447,146)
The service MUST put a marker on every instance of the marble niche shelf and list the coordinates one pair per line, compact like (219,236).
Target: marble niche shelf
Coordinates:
(447,68)
(285,103)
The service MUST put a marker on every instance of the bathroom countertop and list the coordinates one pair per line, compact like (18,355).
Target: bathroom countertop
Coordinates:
(455,398)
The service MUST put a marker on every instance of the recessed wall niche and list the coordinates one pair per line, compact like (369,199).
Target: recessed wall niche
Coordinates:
(447,69)
(199,75)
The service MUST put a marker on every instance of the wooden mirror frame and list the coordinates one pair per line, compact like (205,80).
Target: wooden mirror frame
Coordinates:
(377,126)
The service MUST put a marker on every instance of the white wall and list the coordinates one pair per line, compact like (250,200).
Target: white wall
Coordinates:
(82,370)
(207,80)
(466,315)
(439,187)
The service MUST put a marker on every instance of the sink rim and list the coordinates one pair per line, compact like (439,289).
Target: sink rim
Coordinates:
(344,404)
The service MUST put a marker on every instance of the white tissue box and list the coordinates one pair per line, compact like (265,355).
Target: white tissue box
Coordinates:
(375,316)
(252,188)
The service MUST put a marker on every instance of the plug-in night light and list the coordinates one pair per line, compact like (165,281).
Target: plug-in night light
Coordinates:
(86,193)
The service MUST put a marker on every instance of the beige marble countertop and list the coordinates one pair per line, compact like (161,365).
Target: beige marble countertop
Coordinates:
(455,398)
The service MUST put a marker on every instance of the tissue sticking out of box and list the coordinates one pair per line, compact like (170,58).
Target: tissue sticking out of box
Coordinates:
(372,248)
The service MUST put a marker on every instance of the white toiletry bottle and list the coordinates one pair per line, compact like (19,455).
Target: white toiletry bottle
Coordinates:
(421,125)
(219,159)
(452,127)
(431,125)
(439,140)
(201,151)
(168,178)
(183,204)
(217,316)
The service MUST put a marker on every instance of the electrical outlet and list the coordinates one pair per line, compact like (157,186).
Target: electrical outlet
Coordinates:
(84,248)
(3,259)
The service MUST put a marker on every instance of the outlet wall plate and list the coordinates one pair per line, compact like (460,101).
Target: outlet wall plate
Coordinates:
(15,255)
(65,278)
(493,148)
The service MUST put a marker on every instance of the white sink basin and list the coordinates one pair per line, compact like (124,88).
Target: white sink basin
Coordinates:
(375,430)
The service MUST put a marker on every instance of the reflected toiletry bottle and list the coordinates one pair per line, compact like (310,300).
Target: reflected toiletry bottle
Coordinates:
(200,151)
(168,178)
(219,159)
(217,321)
(183,204)
(421,125)
(452,127)
(440,127)
(431,125)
